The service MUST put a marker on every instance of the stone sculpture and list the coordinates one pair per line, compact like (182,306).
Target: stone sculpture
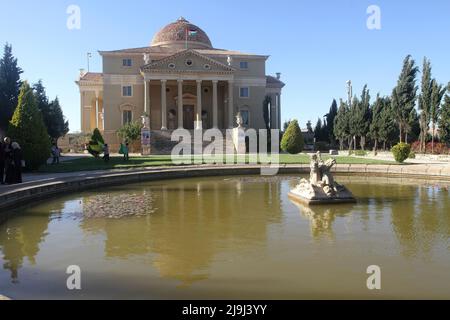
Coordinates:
(321,187)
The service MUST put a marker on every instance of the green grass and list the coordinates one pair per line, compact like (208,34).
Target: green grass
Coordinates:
(90,164)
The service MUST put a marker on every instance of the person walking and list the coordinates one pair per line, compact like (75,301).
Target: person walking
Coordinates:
(8,154)
(126,152)
(2,162)
(56,153)
(17,160)
(106,152)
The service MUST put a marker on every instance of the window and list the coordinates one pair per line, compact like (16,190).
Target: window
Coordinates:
(127,62)
(127,117)
(207,67)
(172,65)
(245,114)
(189,62)
(244,92)
(243,65)
(127,91)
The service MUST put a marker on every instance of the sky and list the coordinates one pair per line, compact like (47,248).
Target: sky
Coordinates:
(316,45)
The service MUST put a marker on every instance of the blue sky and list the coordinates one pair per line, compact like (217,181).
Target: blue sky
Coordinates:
(316,45)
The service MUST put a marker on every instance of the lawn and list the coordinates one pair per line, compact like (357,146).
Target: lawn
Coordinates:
(90,164)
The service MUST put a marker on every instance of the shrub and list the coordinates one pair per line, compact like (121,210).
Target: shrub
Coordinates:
(360,153)
(292,141)
(28,129)
(412,155)
(322,146)
(401,152)
(95,146)
(131,132)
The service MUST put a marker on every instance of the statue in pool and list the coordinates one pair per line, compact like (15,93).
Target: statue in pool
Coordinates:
(321,187)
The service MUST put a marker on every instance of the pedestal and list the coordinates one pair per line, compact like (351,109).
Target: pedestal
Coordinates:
(239,140)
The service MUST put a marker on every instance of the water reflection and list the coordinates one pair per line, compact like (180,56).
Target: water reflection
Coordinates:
(195,223)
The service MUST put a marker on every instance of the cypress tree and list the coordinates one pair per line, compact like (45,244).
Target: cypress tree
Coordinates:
(404,95)
(444,119)
(28,129)
(425,103)
(437,92)
(9,86)
(341,124)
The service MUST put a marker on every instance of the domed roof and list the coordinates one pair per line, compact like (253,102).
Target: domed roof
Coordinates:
(175,34)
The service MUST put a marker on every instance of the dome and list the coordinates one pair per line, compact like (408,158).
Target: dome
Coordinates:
(175,35)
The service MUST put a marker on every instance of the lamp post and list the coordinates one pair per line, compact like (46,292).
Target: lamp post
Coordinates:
(89,55)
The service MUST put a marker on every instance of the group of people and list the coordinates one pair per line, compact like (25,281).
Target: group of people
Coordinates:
(124,150)
(11,162)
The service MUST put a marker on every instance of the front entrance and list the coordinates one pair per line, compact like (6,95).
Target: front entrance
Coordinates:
(188,117)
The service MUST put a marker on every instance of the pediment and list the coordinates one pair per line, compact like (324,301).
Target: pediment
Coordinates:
(188,61)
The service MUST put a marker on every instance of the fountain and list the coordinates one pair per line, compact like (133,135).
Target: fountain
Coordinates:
(321,187)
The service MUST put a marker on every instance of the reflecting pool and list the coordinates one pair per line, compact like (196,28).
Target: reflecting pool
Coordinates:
(231,238)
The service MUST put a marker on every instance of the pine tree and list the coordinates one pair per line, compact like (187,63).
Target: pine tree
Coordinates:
(376,124)
(444,119)
(28,129)
(425,103)
(437,93)
(52,113)
(404,95)
(9,86)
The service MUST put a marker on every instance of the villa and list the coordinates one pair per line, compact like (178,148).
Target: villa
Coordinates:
(179,81)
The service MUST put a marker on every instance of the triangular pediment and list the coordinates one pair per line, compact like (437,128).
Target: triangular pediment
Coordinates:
(188,61)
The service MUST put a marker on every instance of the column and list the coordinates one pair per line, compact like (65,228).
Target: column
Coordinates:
(198,113)
(163,105)
(180,104)
(230,104)
(215,103)
(279,110)
(96,108)
(146,97)
(82,110)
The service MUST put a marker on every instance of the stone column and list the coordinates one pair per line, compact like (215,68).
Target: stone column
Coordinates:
(146,97)
(163,105)
(82,110)
(230,104)
(198,113)
(279,110)
(215,103)
(180,104)
(96,108)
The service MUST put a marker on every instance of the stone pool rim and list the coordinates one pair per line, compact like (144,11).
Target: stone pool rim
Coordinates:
(22,195)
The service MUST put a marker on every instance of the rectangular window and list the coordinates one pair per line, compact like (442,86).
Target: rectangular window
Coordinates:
(243,65)
(127,91)
(127,117)
(127,62)
(244,92)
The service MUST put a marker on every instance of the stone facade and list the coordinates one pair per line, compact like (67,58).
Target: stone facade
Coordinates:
(179,81)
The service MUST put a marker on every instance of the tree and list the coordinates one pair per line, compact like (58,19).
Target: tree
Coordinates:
(376,125)
(96,143)
(292,141)
(361,117)
(130,132)
(388,129)
(286,125)
(352,124)
(266,112)
(404,95)
(341,125)
(309,127)
(9,86)
(330,116)
(52,113)
(444,119)
(319,130)
(28,129)
(437,93)
(425,103)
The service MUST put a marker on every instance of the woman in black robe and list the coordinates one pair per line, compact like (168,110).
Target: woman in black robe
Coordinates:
(8,154)
(17,162)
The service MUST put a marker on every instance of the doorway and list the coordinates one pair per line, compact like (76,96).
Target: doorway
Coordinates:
(188,117)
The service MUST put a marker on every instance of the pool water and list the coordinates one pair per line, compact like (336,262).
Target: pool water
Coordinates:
(231,238)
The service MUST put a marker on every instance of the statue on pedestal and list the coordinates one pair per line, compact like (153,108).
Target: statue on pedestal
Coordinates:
(321,187)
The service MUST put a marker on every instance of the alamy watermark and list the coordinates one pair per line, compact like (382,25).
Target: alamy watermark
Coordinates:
(74,17)
(74,280)
(374,18)
(374,280)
